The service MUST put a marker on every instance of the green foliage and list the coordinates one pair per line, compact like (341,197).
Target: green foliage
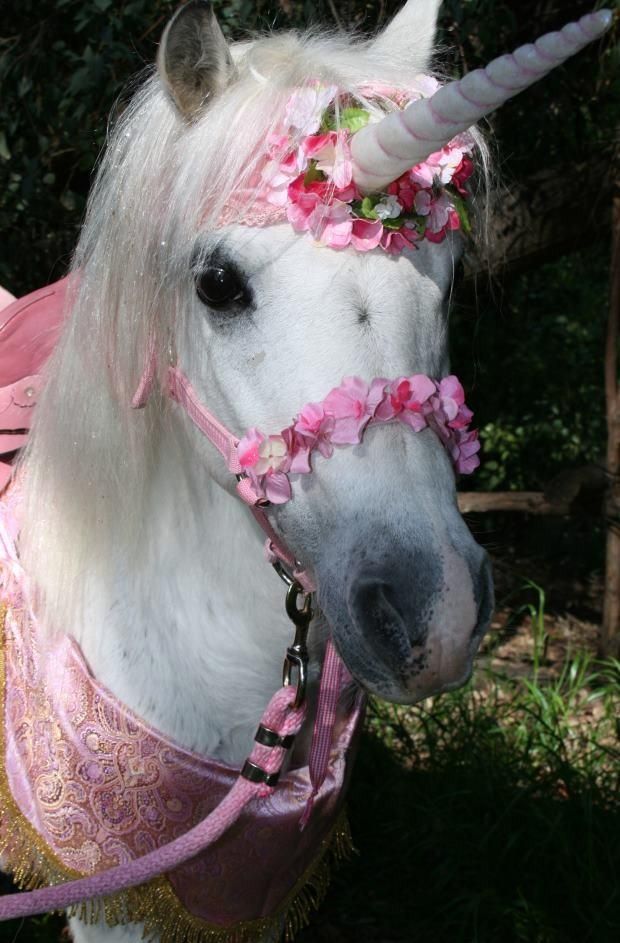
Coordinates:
(492,813)
(534,361)
(47,929)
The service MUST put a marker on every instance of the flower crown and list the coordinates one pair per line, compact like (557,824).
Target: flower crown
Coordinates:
(419,402)
(307,177)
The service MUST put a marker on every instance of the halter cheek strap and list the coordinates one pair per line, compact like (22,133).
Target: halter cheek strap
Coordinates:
(179,389)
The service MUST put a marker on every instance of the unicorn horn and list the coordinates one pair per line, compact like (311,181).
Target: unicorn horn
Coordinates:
(386,149)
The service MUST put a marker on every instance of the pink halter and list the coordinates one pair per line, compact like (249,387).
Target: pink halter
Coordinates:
(262,464)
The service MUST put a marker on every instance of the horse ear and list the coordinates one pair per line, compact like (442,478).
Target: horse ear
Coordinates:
(194,61)
(411,34)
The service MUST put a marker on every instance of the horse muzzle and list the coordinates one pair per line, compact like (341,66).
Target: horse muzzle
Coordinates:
(407,621)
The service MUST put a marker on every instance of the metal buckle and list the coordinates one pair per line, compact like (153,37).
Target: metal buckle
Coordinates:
(270,738)
(262,503)
(297,653)
(256,774)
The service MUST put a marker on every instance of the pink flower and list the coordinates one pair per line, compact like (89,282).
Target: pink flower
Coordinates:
(464,451)
(462,175)
(407,399)
(423,175)
(451,401)
(396,240)
(353,404)
(300,208)
(454,223)
(445,162)
(247,450)
(306,105)
(279,172)
(277,488)
(441,167)
(404,190)
(451,396)
(332,224)
(315,427)
(265,460)
(366,234)
(304,198)
(436,208)
(425,86)
(299,450)
(332,154)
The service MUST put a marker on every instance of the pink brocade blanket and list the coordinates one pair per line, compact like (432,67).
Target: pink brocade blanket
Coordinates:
(85,785)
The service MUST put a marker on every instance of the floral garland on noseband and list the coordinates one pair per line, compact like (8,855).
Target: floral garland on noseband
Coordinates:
(341,419)
(308,177)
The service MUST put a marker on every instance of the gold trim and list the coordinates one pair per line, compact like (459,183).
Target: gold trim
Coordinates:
(33,864)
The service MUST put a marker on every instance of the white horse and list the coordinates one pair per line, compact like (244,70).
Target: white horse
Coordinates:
(133,535)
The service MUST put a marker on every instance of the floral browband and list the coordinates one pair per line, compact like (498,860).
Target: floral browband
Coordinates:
(342,418)
(307,177)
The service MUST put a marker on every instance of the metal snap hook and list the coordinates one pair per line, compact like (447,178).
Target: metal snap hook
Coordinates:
(299,617)
(296,657)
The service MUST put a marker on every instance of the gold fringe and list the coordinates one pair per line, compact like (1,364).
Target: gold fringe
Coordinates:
(33,864)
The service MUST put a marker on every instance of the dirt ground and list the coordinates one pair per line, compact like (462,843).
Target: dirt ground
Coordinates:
(572,607)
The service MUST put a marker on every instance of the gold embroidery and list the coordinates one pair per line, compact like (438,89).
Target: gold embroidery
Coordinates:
(33,864)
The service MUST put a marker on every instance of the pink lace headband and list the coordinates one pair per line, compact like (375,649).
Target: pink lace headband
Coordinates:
(306,177)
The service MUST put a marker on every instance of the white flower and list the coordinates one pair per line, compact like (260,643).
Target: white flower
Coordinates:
(389,208)
(272,454)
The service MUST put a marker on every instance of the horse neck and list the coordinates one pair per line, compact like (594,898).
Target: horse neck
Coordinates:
(193,636)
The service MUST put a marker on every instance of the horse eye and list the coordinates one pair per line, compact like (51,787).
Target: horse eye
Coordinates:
(217,286)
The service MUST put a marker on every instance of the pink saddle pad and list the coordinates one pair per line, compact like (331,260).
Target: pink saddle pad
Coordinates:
(29,330)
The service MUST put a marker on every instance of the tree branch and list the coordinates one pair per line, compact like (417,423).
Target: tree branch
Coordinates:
(545,216)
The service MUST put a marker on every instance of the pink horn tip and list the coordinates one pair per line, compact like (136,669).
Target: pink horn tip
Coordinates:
(384,150)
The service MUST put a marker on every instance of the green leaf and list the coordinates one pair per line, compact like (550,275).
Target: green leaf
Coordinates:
(5,153)
(463,212)
(354,119)
(367,208)
(313,175)
(395,224)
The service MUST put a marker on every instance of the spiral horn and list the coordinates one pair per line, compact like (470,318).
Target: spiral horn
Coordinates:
(384,150)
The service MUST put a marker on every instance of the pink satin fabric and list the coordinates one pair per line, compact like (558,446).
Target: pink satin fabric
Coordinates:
(101,787)
(29,330)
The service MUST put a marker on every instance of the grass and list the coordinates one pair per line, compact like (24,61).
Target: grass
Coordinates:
(488,815)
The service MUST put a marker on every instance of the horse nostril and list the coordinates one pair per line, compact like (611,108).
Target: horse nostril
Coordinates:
(375,608)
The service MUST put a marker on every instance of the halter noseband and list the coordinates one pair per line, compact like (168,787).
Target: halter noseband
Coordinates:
(262,464)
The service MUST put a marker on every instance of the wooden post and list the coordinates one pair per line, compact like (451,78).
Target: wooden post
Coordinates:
(610,637)
(528,502)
